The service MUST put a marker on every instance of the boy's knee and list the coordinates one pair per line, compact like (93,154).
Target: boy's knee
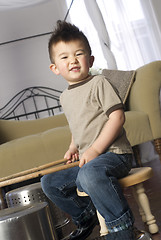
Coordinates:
(47,183)
(86,175)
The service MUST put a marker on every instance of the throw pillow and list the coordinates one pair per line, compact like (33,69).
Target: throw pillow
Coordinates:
(121,80)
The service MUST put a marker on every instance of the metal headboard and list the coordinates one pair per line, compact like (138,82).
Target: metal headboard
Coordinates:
(32,103)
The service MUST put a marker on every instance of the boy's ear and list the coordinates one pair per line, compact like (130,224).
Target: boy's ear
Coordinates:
(54,69)
(91,61)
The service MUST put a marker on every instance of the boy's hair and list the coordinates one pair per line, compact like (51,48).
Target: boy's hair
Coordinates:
(66,32)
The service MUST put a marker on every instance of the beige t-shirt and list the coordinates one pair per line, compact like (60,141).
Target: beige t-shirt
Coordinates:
(87,106)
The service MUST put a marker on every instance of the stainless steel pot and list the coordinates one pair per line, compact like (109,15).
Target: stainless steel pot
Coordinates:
(29,194)
(30,222)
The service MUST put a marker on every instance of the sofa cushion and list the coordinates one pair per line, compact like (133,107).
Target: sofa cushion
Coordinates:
(34,150)
(121,80)
(10,130)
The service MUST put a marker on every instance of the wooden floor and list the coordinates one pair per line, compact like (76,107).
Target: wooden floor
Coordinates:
(153,190)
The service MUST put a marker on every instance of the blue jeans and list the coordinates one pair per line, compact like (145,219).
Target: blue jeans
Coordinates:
(99,179)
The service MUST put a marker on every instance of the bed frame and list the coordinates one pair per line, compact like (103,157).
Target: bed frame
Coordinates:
(32,103)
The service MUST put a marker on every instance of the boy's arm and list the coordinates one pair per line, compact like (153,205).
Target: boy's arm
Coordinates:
(108,134)
(72,153)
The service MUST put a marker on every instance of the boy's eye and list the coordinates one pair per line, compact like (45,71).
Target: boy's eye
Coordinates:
(78,54)
(64,57)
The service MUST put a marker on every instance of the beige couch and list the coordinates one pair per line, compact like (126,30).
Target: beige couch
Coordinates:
(31,143)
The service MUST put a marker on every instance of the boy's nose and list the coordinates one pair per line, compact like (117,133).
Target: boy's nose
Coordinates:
(74,59)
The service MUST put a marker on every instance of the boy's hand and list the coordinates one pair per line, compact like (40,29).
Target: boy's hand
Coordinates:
(72,155)
(88,155)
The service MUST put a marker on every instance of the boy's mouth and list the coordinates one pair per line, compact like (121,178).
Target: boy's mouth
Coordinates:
(75,69)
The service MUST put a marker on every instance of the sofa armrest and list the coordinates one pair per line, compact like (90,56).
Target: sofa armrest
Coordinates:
(144,95)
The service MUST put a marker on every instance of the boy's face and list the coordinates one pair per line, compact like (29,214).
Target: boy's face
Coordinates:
(71,60)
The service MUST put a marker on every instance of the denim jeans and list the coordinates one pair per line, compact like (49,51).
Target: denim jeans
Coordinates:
(99,179)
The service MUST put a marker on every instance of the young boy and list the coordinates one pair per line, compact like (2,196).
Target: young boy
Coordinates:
(95,115)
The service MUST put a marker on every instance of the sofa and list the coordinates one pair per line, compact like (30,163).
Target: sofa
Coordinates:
(30,143)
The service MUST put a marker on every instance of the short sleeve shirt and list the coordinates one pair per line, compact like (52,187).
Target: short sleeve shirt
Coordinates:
(87,106)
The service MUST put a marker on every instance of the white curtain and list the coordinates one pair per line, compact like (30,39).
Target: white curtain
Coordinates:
(153,27)
(93,11)
(133,31)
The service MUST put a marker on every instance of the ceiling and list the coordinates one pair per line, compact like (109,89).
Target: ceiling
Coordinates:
(12,4)
(29,20)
